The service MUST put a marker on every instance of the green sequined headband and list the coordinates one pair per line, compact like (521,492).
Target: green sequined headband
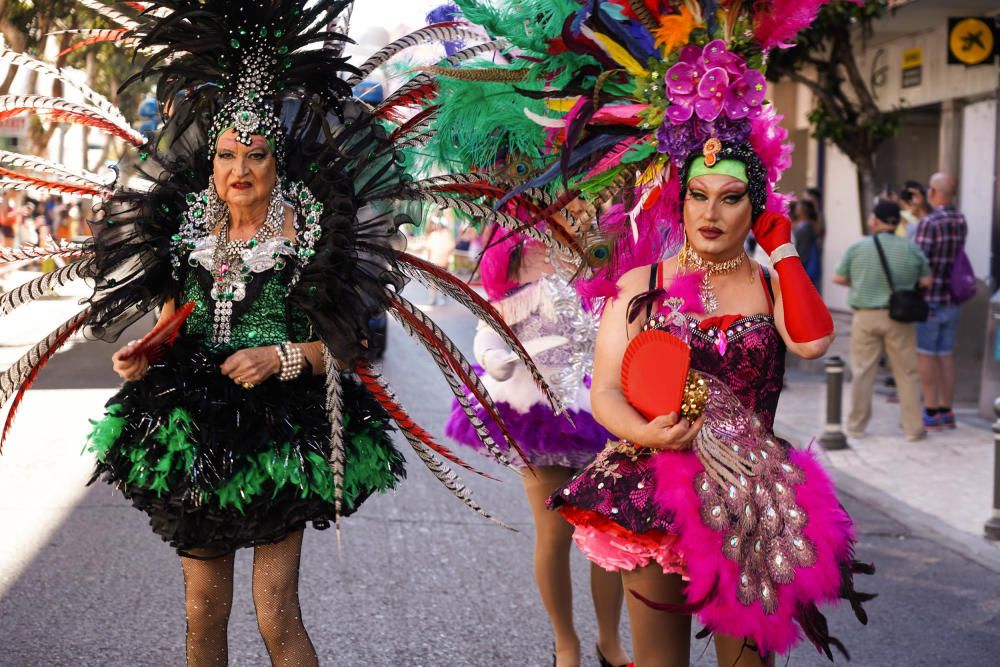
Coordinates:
(733,168)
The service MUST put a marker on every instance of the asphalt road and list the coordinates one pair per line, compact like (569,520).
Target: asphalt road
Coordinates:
(422,581)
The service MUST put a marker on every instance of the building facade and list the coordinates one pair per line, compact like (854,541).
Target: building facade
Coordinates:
(949,122)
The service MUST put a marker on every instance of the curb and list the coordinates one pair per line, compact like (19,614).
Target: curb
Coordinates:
(969,546)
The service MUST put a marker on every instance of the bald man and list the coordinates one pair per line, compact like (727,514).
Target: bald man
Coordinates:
(940,234)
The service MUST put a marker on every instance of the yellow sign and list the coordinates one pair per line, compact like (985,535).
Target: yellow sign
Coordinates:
(970,41)
(913,57)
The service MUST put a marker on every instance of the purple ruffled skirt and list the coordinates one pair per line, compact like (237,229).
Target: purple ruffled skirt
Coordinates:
(546,439)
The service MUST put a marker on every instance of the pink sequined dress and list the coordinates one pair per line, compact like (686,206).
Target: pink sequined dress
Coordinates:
(758,555)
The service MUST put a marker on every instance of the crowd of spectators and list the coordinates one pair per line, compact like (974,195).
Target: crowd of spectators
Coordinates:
(28,221)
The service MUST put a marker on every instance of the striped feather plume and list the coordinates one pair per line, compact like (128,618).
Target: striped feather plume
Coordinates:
(422,87)
(94,98)
(77,176)
(428,273)
(415,125)
(40,186)
(484,75)
(474,210)
(31,252)
(458,389)
(63,111)
(451,362)
(439,32)
(459,57)
(441,471)
(645,16)
(416,140)
(335,413)
(20,376)
(380,390)
(121,37)
(111,14)
(39,287)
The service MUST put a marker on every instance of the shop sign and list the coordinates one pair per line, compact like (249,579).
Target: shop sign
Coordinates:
(971,40)
(15,127)
(913,67)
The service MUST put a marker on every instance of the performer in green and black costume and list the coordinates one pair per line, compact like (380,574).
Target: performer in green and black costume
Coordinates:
(266,213)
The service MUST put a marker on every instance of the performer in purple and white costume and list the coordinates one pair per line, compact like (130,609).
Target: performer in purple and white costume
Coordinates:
(546,314)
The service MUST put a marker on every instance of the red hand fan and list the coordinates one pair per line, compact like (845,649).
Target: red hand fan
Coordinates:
(654,372)
(162,335)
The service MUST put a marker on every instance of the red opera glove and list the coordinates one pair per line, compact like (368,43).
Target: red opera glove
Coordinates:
(772,230)
(806,316)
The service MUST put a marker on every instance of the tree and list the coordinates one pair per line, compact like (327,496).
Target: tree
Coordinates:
(846,112)
(26,26)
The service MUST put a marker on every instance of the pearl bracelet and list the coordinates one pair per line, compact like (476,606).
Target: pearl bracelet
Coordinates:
(292,361)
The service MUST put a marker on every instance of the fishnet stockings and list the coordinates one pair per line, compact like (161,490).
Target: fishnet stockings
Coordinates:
(276,599)
(208,589)
(208,593)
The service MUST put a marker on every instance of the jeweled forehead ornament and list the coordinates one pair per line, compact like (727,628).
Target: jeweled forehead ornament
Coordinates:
(248,110)
(710,151)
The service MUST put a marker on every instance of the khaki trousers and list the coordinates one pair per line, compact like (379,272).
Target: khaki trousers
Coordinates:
(872,331)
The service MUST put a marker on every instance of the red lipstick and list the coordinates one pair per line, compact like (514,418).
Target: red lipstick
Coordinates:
(240,185)
(710,232)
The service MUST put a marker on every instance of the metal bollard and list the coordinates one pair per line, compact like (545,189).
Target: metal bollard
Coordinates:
(833,436)
(992,527)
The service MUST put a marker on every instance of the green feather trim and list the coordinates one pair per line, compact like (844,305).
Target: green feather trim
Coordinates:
(528,24)
(262,474)
(600,181)
(479,121)
(638,153)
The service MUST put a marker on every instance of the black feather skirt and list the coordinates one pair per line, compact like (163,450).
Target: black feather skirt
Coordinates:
(218,467)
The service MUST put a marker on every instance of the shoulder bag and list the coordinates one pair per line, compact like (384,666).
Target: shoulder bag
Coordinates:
(962,281)
(905,305)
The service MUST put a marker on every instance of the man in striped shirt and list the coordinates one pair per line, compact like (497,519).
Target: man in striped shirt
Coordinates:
(872,330)
(941,234)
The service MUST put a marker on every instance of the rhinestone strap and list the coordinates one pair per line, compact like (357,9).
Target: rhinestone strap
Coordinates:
(783,251)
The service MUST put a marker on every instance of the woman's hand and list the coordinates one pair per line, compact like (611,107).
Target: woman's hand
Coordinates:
(667,432)
(251,366)
(130,369)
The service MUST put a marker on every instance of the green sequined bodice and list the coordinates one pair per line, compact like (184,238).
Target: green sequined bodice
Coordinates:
(263,324)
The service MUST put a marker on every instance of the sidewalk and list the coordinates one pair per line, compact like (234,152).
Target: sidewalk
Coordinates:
(26,325)
(942,484)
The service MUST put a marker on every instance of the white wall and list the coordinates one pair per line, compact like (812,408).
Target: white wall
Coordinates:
(843,220)
(977,183)
(939,80)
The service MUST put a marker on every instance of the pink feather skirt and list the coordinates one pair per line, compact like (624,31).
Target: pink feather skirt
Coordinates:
(759,556)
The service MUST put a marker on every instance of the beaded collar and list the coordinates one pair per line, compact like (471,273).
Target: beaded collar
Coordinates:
(205,208)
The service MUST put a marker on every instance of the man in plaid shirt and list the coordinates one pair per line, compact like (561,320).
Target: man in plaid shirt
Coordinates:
(941,234)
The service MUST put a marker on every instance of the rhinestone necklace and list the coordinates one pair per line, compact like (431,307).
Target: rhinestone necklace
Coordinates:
(230,270)
(690,259)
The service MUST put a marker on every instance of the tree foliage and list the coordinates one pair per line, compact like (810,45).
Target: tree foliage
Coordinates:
(846,112)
